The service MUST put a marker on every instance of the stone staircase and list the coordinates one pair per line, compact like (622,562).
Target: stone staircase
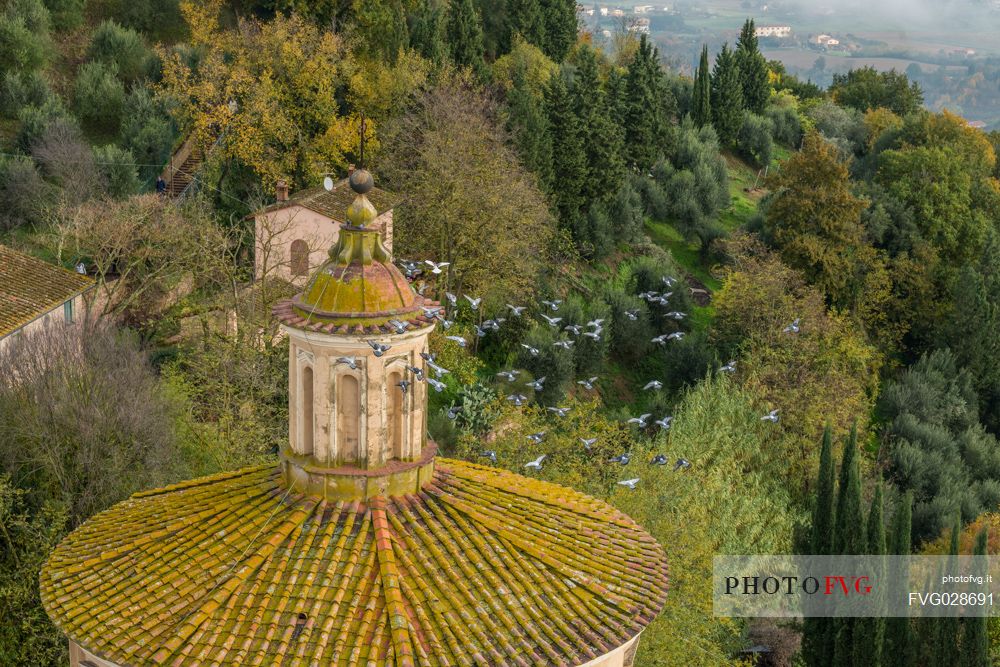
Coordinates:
(181,170)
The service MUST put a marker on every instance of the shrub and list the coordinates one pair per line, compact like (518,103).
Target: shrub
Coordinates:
(628,339)
(99,96)
(686,361)
(588,354)
(23,192)
(24,42)
(18,90)
(66,14)
(147,131)
(35,119)
(553,363)
(754,139)
(122,48)
(480,408)
(647,275)
(121,177)
(67,160)
(787,126)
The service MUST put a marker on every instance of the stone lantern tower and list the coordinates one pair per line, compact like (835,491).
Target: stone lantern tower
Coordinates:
(358,424)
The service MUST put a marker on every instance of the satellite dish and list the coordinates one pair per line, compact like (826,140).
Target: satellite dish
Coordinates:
(328,184)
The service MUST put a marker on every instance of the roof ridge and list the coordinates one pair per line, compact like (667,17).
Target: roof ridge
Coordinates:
(399,620)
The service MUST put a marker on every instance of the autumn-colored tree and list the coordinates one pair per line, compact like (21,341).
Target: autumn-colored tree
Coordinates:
(469,202)
(814,219)
(877,122)
(273,91)
(825,373)
(524,62)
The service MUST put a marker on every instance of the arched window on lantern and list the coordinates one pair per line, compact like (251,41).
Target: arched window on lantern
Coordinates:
(307,413)
(300,258)
(395,401)
(348,419)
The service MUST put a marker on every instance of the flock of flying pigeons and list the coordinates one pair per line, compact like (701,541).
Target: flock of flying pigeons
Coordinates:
(592,329)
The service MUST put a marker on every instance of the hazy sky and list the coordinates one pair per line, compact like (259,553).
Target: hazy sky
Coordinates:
(976,15)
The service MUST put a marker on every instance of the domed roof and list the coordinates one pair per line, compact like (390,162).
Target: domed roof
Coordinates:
(482,565)
(359,289)
(359,280)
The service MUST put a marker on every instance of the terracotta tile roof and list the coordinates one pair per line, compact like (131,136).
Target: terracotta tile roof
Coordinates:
(334,203)
(482,567)
(30,287)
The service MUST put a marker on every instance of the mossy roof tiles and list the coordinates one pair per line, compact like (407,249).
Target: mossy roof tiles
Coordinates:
(30,287)
(334,203)
(483,567)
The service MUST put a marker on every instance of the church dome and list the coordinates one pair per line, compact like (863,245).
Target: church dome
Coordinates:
(358,290)
(481,566)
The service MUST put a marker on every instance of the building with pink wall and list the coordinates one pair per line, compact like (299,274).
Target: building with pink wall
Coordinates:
(293,235)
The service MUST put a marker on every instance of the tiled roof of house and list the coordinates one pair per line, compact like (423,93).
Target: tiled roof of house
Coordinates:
(483,567)
(334,203)
(30,287)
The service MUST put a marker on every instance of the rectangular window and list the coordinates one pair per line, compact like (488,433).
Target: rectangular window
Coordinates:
(68,311)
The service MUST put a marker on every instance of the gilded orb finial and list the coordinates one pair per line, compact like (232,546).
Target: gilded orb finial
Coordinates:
(361,212)
(361,181)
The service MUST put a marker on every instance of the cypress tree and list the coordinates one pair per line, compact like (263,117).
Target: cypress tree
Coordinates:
(381,26)
(727,97)
(465,35)
(528,123)
(569,160)
(753,70)
(849,538)
(975,640)
(822,527)
(701,99)
(948,627)
(900,643)
(869,633)
(817,634)
(426,37)
(527,20)
(603,141)
(560,27)
(648,106)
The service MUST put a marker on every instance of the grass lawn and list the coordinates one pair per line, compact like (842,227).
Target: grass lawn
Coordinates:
(686,254)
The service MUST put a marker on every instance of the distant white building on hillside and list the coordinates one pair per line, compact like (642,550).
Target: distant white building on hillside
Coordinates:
(825,40)
(773,31)
(644,9)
